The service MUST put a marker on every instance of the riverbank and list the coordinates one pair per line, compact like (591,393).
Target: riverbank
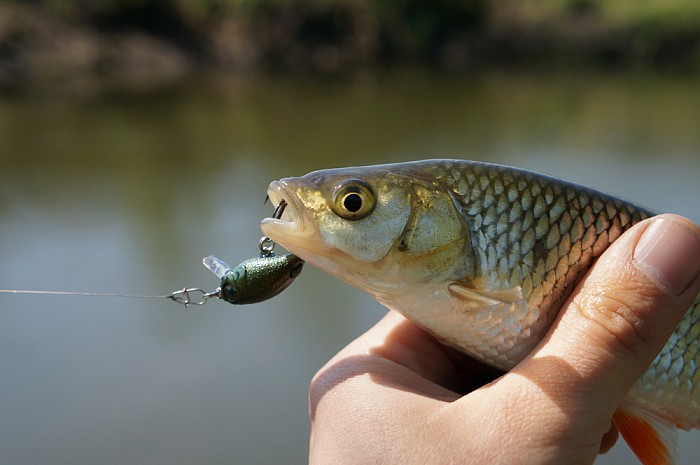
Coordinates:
(147,43)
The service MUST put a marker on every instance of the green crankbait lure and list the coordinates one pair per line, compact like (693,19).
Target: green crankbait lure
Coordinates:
(256,279)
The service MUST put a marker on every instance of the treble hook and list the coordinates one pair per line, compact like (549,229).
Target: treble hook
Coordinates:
(193,296)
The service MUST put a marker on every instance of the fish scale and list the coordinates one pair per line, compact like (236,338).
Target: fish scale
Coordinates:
(673,377)
(558,229)
(515,242)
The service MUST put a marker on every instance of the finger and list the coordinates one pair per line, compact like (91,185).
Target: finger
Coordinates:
(401,342)
(394,353)
(362,394)
(408,345)
(620,316)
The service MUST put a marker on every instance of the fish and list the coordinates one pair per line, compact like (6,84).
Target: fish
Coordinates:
(256,279)
(483,256)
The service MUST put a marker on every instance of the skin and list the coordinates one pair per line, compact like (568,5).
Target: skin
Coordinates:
(396,395)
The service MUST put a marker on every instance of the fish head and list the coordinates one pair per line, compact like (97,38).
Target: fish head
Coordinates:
(377,228)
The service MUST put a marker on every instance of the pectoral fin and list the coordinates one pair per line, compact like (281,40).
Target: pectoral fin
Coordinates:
(476,295)
(497,325)
(653,439)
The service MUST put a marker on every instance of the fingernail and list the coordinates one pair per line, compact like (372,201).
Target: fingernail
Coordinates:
(669,254)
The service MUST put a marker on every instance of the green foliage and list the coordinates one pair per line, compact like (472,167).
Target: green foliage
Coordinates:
(338,35)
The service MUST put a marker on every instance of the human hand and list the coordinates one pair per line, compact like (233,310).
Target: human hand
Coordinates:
(396,395)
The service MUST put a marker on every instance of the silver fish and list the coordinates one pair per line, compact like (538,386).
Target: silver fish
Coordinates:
(482,256)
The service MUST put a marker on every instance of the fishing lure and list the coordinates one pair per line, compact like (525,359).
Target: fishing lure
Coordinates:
(256,279)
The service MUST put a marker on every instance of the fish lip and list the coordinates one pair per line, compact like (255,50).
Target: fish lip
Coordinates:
(291,220)
(296,230)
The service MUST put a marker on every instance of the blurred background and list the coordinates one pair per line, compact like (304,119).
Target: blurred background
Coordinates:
(138,136)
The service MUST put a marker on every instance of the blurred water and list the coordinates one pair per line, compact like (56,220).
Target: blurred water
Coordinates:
(127,193)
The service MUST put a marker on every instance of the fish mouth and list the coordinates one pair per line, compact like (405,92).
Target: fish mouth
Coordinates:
(287,226)
(293,226)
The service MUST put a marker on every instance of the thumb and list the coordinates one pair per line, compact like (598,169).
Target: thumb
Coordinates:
(621,314)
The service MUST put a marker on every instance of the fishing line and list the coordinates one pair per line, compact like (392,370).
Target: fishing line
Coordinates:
(88,294)
(186,296)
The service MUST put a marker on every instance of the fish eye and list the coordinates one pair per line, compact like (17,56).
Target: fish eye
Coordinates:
(353,199)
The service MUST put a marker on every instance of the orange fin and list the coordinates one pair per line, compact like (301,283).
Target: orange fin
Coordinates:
(652,438)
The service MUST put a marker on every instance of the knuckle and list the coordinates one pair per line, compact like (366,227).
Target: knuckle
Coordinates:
(619,314)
